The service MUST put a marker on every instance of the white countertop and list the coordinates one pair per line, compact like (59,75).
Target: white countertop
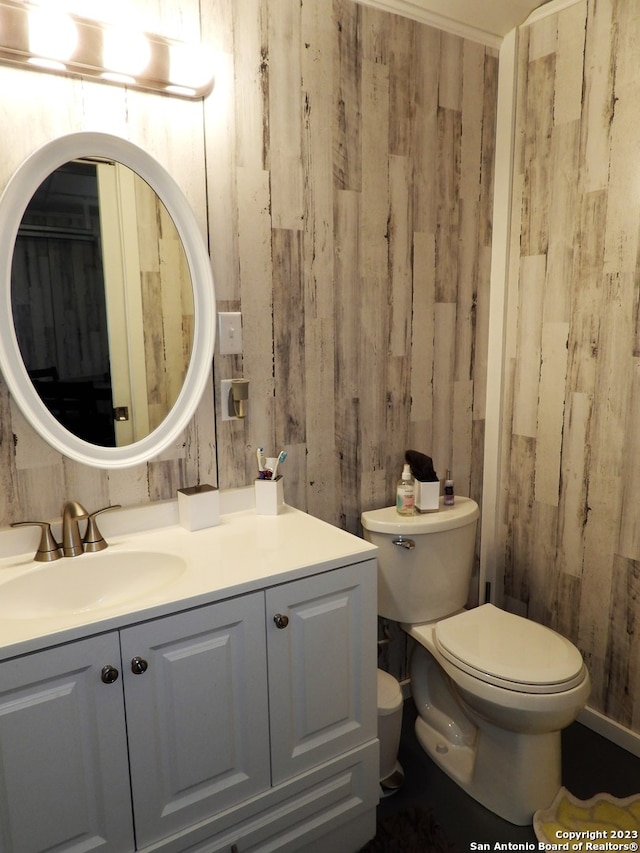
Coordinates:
(245,552)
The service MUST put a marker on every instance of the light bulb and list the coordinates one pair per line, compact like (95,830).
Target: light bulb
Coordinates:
(124,52)
(52,35)
(190,66)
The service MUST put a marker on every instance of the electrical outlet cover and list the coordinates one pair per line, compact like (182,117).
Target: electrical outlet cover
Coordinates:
(230,332)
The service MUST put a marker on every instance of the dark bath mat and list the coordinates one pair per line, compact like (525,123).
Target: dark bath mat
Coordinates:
(411,831)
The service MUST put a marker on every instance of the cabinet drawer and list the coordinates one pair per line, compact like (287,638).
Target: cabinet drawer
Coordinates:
(338,799)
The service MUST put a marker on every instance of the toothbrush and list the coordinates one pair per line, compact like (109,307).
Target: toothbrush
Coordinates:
(281,457)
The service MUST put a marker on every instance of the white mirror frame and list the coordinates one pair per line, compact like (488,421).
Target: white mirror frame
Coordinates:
(13,203)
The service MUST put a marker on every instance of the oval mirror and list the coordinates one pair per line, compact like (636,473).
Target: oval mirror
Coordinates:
(107,325)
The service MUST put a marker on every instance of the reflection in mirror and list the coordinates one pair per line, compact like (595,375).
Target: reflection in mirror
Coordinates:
(20,189)
(102,302)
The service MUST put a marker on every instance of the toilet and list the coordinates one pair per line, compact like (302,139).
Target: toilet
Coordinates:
(492,690)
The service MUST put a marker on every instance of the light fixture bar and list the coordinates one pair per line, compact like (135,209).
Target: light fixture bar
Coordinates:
(34,37)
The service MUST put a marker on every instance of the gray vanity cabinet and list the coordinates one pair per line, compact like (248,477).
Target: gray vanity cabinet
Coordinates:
(322,691)
(246,724)
(195,687)
(63,751)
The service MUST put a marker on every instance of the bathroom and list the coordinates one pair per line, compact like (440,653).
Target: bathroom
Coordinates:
(380,310)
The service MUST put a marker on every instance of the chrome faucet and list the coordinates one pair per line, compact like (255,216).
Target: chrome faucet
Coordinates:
(71,540)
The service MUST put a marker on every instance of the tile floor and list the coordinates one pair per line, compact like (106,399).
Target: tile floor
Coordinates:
(590,764)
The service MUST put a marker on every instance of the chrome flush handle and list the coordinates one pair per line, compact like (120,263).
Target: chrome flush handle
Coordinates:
(409,544)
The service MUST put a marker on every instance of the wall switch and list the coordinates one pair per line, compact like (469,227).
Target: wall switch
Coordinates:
(230,332)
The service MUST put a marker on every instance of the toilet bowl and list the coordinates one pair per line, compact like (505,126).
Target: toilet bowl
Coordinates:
(493,690)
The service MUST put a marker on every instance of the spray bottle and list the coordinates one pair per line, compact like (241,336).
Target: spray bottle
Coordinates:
(405,493)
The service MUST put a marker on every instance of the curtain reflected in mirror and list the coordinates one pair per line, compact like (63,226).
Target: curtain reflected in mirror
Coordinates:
(102,302)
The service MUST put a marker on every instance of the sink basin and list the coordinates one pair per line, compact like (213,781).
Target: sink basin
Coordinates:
(87,583)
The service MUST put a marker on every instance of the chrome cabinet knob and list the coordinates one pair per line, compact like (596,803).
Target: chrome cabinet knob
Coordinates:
(138,665)
(280,620)
(109,674)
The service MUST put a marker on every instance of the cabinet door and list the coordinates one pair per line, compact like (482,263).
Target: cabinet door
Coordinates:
(197,717)
(322,667)
(64,777)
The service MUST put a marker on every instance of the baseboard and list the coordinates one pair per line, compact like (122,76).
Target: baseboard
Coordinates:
(608,728)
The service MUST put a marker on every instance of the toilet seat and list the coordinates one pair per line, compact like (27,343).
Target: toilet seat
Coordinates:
(509,651)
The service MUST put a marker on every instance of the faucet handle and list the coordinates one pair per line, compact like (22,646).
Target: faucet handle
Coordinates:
(48,549)
(93,539)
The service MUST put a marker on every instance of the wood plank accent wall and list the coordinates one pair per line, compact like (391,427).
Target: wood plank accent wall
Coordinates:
(360,146)
(167,303)
(570,490)
(34,108)
(343,169)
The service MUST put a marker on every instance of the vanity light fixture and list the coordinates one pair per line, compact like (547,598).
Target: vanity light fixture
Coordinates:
(48,39)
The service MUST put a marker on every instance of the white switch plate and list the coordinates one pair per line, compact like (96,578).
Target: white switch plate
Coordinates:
(230,332)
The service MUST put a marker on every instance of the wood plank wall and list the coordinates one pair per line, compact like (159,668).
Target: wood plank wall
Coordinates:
(346,155)
(342,168)
(356,244)
(571,486)
(34,108)
(167,303)
(350,223)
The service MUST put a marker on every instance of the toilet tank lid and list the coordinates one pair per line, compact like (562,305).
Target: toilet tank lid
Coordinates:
(387,520)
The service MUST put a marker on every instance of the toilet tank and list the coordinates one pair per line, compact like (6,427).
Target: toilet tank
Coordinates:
(425,561)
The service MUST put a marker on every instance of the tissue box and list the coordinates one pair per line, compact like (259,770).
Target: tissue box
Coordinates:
(427,496)
(269,496)
(199,507)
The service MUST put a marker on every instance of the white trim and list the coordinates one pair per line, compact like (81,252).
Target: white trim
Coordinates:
(612,731)
(550,8)
(417,12)
(491,565)
(463,25)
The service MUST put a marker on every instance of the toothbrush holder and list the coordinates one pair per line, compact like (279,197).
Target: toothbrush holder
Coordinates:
(269,496)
